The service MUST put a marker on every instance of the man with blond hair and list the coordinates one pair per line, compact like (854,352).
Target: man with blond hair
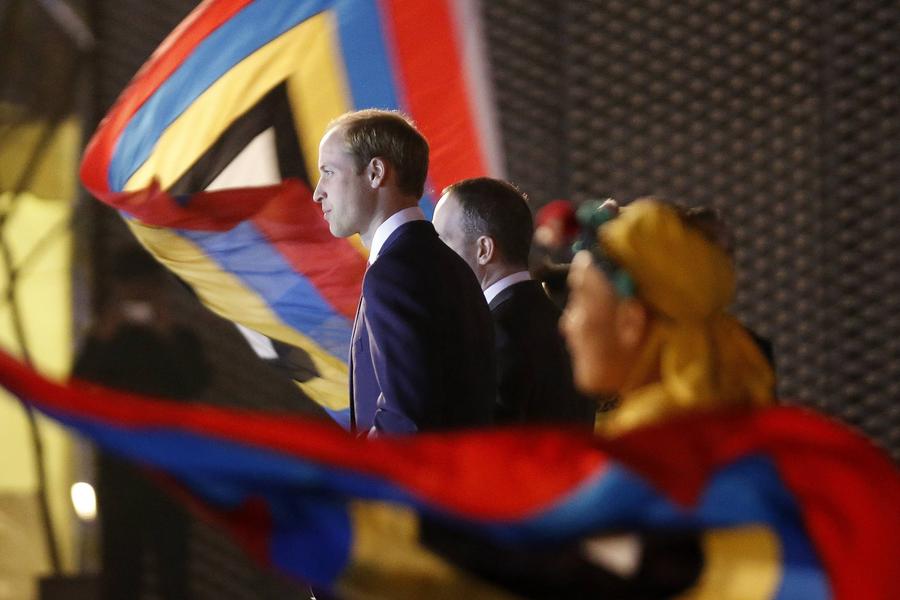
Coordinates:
(421,355)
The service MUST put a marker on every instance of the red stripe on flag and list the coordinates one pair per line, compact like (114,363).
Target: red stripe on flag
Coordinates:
(434,87)
(827,467)
(284,213)
(219,210)
(295,227)
(168,57)
(512,459)
(856,528)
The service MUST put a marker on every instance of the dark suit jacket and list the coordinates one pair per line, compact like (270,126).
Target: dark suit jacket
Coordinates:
(533,368)
(421,357)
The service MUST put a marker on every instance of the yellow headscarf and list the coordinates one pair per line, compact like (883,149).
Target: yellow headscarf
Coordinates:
(696,357)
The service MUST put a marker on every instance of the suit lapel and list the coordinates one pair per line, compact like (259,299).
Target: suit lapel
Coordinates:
(408,228)
(508,293)
(354,337)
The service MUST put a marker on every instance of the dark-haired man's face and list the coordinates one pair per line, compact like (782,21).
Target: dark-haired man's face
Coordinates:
(448,222)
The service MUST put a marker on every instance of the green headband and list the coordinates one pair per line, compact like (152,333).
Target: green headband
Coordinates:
(591,215)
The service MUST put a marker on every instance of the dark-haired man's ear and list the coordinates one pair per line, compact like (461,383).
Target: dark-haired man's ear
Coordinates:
(376,172)
(485,250)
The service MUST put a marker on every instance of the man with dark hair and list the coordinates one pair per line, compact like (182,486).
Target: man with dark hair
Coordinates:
(488,223)
(421,355)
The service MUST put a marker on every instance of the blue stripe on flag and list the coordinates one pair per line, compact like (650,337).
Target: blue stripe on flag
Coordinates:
(426,203)
(227,472)
(250,29)
(364,46)
(370,74)
(341,417)
(746,492)
(247,254)
(313,550)
(741,494)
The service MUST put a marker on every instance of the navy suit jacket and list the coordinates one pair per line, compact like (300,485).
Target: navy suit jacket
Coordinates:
(422,352)
(534,372)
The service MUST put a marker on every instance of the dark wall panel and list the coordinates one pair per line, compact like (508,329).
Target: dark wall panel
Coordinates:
(781,114)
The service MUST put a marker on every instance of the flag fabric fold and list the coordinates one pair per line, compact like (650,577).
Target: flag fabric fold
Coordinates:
(776,503)
(210,155)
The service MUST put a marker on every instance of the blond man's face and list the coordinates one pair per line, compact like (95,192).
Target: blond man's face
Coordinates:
(342,191)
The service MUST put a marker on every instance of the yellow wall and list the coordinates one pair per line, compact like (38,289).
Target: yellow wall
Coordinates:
(53,175)
(44,296)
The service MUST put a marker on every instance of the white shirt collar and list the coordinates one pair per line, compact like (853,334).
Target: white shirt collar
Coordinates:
(384,231)
(498,286)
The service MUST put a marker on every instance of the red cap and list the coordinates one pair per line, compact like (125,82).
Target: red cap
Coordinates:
(558,210)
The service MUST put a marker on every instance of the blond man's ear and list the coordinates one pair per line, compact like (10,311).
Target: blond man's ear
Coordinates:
(377,172)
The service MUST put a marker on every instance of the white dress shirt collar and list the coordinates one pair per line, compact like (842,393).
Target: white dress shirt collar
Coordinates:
(498,286)
(384,231)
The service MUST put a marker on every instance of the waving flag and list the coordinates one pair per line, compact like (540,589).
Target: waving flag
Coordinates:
(210,154)
(778,503)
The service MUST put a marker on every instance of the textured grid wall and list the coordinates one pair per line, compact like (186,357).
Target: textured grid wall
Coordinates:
(782,114)
(861,70)
(525,49)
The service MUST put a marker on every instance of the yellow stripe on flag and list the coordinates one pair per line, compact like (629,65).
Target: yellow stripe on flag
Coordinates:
(741,563)
(318,90)
(232,95)
(387,554)
(225,295)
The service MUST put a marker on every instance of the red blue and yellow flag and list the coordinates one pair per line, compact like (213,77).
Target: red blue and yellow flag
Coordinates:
(210,156)
(776,503)
(210,153)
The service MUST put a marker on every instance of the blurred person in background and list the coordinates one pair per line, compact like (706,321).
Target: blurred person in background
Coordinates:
(708,221)
(646,321)
(556,228)
(136,345)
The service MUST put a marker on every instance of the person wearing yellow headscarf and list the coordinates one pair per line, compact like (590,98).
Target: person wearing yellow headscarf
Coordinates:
(647,320)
